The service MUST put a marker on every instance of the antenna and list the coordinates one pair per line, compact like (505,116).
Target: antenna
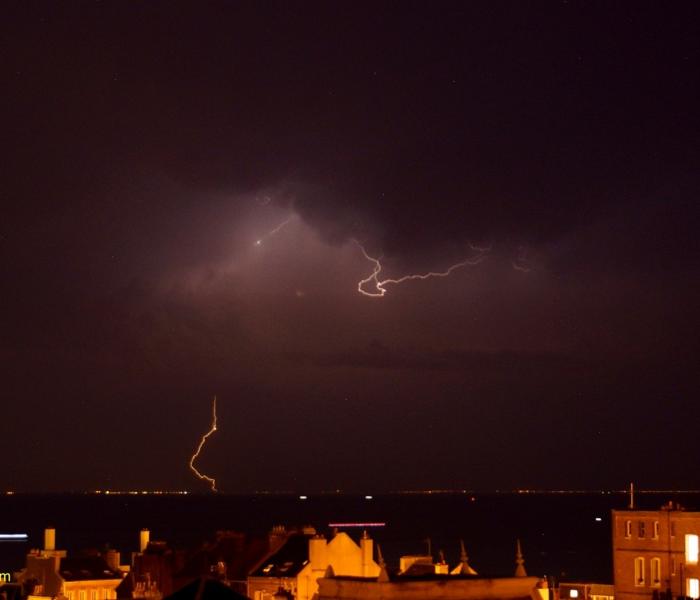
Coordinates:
(631,505)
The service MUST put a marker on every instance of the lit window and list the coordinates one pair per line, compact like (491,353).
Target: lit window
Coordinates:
(656,530)
(691,549)
(628,529)
(573,593)
(693,588)
(639,571)
(641,529)
(656,572)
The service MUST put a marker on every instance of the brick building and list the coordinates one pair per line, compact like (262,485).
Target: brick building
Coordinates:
(655,553)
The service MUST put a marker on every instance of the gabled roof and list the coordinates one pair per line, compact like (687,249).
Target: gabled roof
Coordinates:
(86,568)
(287,561)
(206,589)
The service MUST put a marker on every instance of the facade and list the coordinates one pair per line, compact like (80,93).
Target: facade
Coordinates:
(656,553)
(431,587)
(586,591)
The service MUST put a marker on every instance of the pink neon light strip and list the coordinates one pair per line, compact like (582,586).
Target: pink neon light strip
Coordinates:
(356,524)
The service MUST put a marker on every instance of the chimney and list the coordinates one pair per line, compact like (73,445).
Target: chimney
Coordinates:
(112,559)
(276,537)
(144,538)
(367,548)
(318,552)
(49,539)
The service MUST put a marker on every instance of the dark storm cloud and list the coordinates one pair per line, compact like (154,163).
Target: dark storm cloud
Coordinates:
(148,147)
(413,128)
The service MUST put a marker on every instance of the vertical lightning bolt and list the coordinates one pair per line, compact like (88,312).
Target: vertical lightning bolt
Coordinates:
(202,476)
(379,290)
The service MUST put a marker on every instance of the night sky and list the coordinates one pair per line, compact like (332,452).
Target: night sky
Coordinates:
(186,190)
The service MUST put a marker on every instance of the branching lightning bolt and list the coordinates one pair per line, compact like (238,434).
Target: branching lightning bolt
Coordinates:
(274,231)
(379,284)
(202,476)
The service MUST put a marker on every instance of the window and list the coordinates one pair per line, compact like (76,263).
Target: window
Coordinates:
(628,529)
(93,594)
(673,529)
(82,595)
(641,529)
(691,549)
(639,571)
(673,565)
(573,593)
(656,572)
(693,588)
(656,530)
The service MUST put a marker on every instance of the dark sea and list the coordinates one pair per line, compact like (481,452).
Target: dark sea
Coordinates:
(563,535)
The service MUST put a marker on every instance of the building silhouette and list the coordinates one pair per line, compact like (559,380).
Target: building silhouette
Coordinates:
(304,557)
(50,573)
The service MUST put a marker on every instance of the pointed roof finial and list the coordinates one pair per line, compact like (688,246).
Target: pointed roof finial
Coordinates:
(383,575)
(519,561)
(462,552)
(463,568)
(380,558)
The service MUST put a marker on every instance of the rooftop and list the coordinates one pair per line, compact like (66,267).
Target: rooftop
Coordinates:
(287,561)
(86,568)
